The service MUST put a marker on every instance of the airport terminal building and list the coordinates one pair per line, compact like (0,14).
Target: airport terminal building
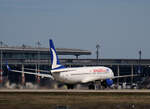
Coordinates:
(39,58)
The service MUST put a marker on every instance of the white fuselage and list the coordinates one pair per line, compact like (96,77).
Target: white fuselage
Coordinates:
(82,74)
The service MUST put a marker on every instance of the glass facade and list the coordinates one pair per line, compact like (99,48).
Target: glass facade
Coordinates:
(33,56)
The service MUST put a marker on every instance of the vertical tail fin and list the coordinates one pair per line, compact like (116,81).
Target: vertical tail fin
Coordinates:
(54,58)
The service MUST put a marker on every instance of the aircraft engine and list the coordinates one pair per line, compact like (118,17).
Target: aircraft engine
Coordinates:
(109,82)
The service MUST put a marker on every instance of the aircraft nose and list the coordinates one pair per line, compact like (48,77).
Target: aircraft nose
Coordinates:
(112,73)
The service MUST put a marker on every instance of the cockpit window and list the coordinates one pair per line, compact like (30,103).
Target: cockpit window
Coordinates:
(107,70)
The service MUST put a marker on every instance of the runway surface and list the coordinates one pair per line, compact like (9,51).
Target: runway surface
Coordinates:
(74,91)
(74,99)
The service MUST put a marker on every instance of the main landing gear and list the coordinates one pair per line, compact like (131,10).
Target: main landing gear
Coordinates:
(97,85)
(70,86)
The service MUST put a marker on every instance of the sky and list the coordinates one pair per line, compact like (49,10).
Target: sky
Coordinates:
(120,27)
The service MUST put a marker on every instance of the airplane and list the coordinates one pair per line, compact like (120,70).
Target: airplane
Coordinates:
(75,75)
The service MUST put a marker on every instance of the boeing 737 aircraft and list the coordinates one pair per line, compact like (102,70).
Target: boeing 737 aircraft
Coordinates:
(72,76)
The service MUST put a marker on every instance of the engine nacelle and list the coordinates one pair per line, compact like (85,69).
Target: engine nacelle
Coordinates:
(109,82)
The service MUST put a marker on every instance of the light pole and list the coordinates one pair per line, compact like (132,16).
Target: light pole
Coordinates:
(1,70)
(97,52)
(139,69)
(38,66)
(23,76)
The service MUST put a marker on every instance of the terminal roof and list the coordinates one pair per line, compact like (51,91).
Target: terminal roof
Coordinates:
(60,51)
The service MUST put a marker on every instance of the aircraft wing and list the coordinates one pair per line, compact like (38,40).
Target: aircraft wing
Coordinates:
(124,76)
(85,80)
(89,79)
(46,71)
(31,73)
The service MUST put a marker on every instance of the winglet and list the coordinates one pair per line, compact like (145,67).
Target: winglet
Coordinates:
(8,68)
